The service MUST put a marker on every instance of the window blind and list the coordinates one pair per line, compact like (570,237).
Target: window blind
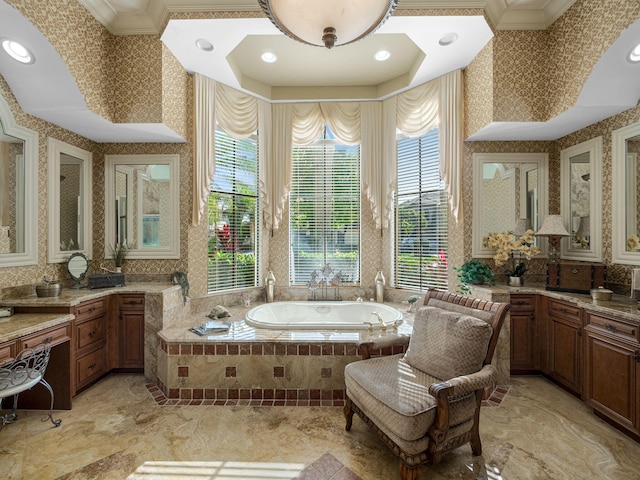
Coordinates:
(233,215)
(421,215)
(324,211)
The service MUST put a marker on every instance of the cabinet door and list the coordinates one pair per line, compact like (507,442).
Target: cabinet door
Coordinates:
(523,334)
(610,380)
(565,353)
(131,333)
(522,342)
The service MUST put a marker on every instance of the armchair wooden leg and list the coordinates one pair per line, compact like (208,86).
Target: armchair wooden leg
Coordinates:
(407,472)
(348,415)
(474,440)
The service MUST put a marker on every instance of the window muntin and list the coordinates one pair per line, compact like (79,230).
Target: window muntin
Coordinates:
(233,215)
(324,211)
(420,255)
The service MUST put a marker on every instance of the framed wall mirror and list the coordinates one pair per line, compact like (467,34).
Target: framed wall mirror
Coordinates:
(142,204)
(70,199)
(581,200)
(509,194)
(18,192)
(626,195)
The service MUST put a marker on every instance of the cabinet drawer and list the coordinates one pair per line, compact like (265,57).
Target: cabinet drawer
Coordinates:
(523,303)
(90,309)
(614,326)
(7,352)
(54,336)
(131,302)
(90,367)
(564,310)
(90,332)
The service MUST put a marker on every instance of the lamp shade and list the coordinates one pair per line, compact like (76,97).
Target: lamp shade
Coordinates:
(328,23)
(522,225)
(584,229)
(552,227)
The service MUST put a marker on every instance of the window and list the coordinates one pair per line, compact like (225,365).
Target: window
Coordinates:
(421,215)
(324,211)
(233,212)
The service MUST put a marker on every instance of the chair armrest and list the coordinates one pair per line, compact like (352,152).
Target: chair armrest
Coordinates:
(465,384)
(366,347)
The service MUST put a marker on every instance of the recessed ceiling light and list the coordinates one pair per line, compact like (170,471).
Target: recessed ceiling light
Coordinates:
(269,57)
(17,51)
(382,55)
(448,39)
(634,54)
(204,45)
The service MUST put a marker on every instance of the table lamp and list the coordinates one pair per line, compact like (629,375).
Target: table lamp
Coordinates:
(553,228)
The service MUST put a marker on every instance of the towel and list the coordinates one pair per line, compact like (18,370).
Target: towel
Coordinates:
(635,282)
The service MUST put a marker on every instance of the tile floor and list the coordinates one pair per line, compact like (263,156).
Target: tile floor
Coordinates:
(117,430)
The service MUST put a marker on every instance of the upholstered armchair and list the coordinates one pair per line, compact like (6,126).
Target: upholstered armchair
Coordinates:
(426,401)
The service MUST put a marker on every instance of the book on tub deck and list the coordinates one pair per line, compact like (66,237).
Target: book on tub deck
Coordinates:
(212,326)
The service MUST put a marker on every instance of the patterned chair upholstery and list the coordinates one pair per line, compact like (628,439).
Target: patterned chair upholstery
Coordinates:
(427,401)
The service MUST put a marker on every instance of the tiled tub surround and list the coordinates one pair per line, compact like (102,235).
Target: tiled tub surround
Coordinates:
(266,366)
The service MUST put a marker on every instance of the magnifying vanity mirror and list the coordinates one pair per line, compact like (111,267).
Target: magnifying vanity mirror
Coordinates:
(626,195)
(509,194)
(77,266)
(18,192)
(142,204)
(69,189)
(581,200)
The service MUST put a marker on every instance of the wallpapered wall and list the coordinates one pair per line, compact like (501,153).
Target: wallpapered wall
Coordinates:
(520,76)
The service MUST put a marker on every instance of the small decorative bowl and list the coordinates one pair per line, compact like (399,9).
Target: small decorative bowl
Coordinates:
(601,294)
(51,289)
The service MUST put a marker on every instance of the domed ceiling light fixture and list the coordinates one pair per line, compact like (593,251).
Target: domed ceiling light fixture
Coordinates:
(328,23)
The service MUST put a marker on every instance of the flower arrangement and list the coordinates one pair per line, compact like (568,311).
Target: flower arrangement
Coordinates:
(633,243)
(511,248)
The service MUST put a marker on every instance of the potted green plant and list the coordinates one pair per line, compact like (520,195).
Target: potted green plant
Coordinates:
(118,253)
(474,272)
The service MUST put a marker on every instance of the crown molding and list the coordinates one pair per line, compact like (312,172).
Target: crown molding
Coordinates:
(145,17)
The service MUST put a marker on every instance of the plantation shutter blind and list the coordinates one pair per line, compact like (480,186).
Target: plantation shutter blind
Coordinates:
(324,211)
(421,215)
(233,236)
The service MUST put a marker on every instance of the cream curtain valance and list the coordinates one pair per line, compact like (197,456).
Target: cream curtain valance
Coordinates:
(373,125)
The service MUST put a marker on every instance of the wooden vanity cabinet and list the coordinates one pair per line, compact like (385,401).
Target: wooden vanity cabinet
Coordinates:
(612,370)
(565,344)
(523,334)
(131,332)
(90,341)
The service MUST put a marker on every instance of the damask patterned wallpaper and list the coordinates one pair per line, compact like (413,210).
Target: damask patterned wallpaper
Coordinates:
(517,76)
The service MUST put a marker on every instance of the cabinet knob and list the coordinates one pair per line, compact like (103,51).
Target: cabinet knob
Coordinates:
(610,327)
(92,333)
(636,356)
(92,366)
(48,339)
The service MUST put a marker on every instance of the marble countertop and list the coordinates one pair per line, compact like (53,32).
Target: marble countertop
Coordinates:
(23,324)
(70,297)
(620,306)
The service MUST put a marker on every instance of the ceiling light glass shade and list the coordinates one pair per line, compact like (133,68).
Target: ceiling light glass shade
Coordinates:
(634,54)
(310,21)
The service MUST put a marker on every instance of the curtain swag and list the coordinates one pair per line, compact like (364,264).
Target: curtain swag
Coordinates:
(373,125)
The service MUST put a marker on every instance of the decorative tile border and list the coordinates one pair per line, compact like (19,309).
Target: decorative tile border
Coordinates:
(259,397)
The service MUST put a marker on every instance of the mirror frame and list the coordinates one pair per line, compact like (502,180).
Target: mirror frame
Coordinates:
(80,277)
(619,253)
(479,159)
(594,148)
(56,148)
(137,252)
(30,138)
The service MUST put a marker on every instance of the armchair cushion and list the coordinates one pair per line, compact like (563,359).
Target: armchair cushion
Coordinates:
(447,344)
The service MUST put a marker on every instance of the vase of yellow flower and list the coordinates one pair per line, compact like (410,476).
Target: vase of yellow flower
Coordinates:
(514,250)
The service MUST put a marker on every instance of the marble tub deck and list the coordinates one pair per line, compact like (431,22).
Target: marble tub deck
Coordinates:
(117,431)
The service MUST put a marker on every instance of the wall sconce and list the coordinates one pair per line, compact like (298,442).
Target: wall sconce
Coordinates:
(553,228)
